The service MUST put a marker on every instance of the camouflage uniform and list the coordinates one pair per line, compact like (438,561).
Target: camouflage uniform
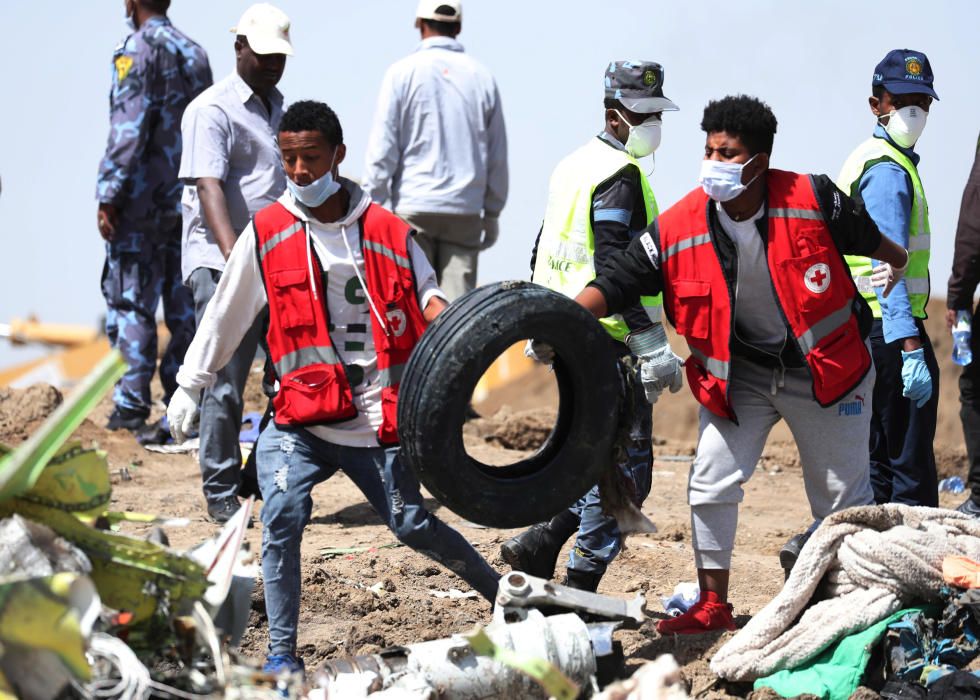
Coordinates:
(156,71)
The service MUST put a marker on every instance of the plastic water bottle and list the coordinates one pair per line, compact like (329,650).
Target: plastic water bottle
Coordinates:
(962,355)
(952,484)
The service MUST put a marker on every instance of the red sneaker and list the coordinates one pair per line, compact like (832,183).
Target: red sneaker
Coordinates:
(706,615)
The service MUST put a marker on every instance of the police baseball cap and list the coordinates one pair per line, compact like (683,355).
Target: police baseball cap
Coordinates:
(639,86)
(904,71)
(440,10)
(267,29)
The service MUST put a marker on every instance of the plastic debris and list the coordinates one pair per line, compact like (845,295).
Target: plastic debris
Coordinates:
(331,552)
(655,680)
(680,601)
(952,484)
(503,660)
(453,594)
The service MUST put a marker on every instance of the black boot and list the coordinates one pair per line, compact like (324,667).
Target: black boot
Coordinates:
(582,580)
(535,551)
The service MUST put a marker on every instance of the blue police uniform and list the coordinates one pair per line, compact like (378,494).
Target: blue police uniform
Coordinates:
(156,72)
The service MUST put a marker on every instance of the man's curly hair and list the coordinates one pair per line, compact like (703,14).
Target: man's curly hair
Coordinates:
(309,115)
(748,118)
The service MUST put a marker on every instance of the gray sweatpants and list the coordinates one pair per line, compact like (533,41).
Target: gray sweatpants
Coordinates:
(451,242)
(833,445)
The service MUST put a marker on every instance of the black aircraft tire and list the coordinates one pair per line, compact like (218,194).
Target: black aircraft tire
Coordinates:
(438,384)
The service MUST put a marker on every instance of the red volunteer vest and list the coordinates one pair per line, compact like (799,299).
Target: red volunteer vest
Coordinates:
(813,288)
(313,385)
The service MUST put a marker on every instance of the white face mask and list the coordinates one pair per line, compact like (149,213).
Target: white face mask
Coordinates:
(905,125)
(318,191)
(723,181)
(644,138)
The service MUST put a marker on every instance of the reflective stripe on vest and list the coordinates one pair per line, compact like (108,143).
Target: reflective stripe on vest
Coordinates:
(566,248)
(279,238)
(718,368)
(699,239)
(869,153)
(305,356)
(796,214)
(389,253)
(809,338)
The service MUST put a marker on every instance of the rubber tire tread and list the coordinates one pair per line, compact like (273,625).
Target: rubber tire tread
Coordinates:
(438,384)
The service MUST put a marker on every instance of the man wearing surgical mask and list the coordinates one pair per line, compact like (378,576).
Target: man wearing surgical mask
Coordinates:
(349,293)
(882,172)
(750,268)
(599,200)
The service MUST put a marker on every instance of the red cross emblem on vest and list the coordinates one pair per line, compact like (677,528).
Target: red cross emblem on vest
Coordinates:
(817,278)
(397,322)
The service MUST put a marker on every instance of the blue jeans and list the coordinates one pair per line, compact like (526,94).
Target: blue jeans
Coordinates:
(290,463)
(599,539)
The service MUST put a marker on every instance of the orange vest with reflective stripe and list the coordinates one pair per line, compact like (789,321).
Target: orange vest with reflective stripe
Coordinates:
(813,288)
(313,385)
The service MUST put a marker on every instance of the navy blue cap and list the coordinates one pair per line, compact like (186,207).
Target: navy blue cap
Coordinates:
(638,85)
(904,71)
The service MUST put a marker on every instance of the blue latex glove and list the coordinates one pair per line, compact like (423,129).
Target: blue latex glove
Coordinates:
(915,377)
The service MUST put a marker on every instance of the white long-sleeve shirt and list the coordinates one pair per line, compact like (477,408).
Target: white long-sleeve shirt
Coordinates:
(241,295)
(438,145)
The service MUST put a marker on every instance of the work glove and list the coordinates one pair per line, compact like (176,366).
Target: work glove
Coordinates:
(660,368)
(182,412)
(916,377)
(539,352)
(887,276)
(491,229)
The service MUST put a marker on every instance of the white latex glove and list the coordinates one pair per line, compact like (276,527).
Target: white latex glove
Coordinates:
(660,368)
(539,352)
(887,276)
(182,412)
(491,229)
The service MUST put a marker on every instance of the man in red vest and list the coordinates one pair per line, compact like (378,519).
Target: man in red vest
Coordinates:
(751,271)
(349,294)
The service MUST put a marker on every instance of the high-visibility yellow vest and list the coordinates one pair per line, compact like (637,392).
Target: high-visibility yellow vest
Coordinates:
(566,249)
(873,151)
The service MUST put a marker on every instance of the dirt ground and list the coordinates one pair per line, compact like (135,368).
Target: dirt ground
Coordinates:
(341,617)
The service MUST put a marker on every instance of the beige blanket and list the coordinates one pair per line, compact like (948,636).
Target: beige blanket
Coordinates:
(865,563)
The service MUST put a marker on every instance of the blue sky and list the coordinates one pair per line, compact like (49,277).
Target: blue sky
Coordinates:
(812,62)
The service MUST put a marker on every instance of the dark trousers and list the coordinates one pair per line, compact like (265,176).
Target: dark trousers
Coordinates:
(134,282)
(970,409)
(221,404)
(903,464)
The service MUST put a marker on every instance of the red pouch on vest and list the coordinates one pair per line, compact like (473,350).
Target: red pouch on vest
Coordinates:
(319,393)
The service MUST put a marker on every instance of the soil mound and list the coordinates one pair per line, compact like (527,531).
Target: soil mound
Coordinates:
(22,410)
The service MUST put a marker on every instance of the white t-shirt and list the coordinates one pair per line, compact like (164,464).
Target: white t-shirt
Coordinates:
(241,294)
(758,320)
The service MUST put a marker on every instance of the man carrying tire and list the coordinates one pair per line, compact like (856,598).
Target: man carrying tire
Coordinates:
(751,270)
(599,200)
(349,294)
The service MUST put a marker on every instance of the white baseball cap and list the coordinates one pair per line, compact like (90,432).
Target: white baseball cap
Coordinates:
(267,29)
(437,10)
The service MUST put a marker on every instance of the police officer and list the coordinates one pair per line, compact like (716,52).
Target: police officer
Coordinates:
(883,173)
(156,72)
(599,200)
